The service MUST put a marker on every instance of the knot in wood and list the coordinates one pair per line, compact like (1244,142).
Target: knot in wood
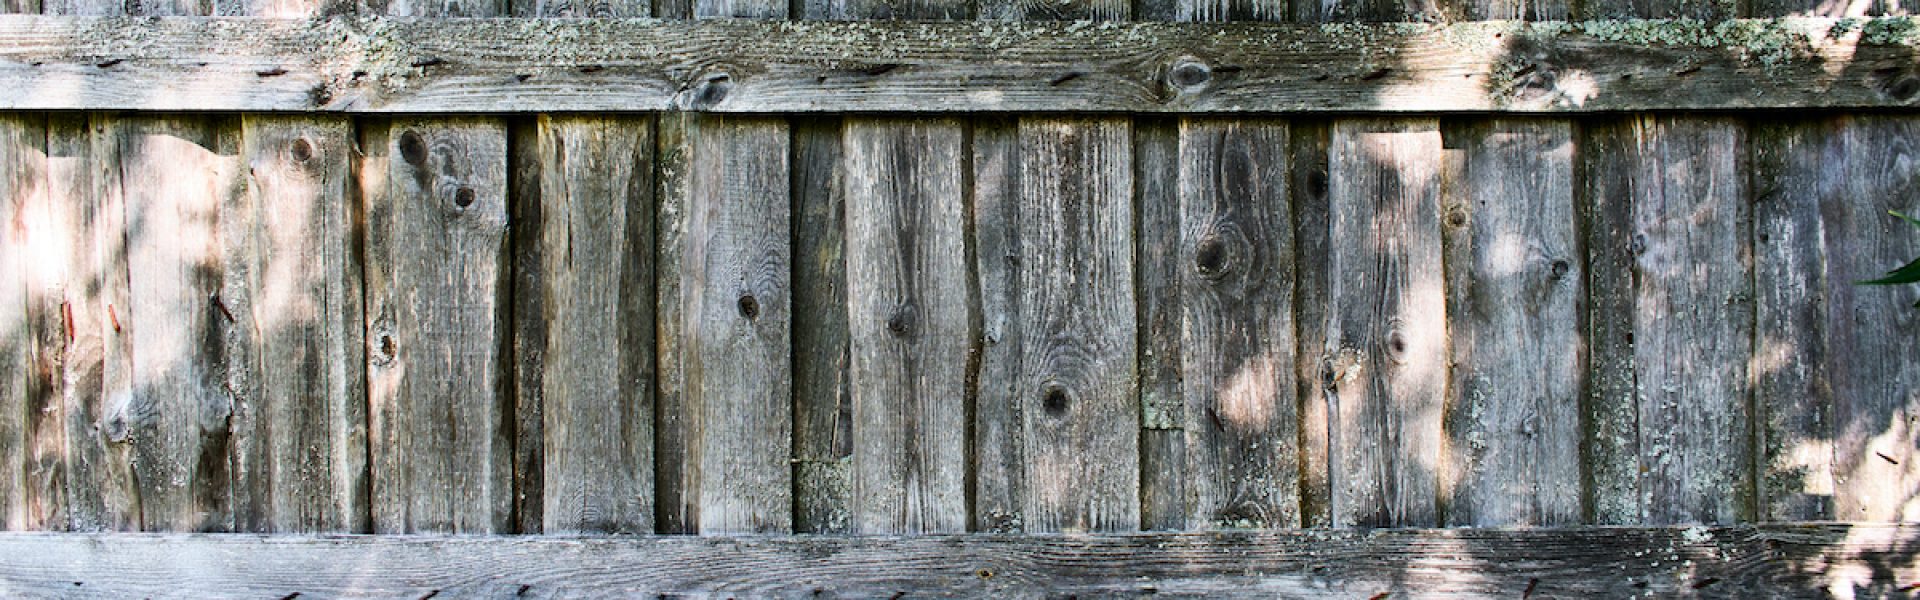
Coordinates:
(413,149)
(749,307)
(301,150)
(1053,399)
(901,323)
(1558,269)
(712,91)
(463,197)
(1212,258)
(1188,74)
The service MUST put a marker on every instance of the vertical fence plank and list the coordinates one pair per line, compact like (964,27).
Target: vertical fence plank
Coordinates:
(436,245)
(595,237)
(1074,278)
(295,350)
(22,160)
(908,320)
(733,309)
(40,244)
(1517,349)
(1672,321)
(1869,331)
(174,175)
(822,399)
(1386,322)
(1310,184)
(999,449)
(1164,498)
(675,487)
(1799,166)
(1235,271)
(527,345)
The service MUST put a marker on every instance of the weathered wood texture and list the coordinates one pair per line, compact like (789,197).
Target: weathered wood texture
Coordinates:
(822,397)
(596,303)
(1672,309)
(1834,392)
(999,463)
(435,193)
(23,158)
(1386,322)
(1736,562)
(909,324)
(735,65)
(1515,295)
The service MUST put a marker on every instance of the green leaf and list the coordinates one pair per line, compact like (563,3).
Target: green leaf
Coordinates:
(1915,222)
(1903,275)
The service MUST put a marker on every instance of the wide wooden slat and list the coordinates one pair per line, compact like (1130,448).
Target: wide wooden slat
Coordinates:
(909,323)
(1386,322)
(594,245)
(1672,312)
(1738,562)
(436,201)
(737,65)
(295,347)
(1235,271)
(1073,280)
(1515,294)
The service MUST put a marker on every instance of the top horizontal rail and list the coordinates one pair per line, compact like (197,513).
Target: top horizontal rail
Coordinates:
(380,65)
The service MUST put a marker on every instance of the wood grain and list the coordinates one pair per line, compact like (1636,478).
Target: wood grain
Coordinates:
(1386,322)
(295,348)
(596,232)
(1164,501)
(1235,271)
(1311,185)
(23,159)
(734,326)
(999,448)
(822,397)
(436,207)
(1515,307)
(1731,562)
(1073,276)
(676,488)
(749,66)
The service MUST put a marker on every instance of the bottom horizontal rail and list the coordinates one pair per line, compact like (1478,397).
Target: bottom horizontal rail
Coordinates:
(1784,560)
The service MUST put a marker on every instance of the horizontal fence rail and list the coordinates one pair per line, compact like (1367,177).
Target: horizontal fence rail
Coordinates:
(400,65)
(1770,561)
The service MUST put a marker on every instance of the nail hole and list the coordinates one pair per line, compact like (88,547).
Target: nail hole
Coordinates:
(1054,401)
(413,149)
(749,307)
(463,197)
(302,150)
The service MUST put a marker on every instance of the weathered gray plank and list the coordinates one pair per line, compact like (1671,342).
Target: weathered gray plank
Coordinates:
(1164,501)
(1235,271)
(23,157)
(1386,322)
(908,324)
(733,335)
(436,208)
(596,238)
(41,245)
(1672,315)
(294,347)
(1517,347)
(999,464)
(749,66)
(1868,332)
(527,343)
(581,9)
(1076,383)
(1053,10)
(1799,166)
(675,492)
(1313,365)
(174,175)
(95,363)
(1736,562)
(905,10)
(822,401)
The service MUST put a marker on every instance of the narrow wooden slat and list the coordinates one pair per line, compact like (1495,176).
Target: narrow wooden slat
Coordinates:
(752,66)
(527,346)
(1074,280)
(595,239)
(1799,167)
(42,246)
(23,161)
(1386,322)
(1515,302)
(1763,561)
(1673,288)
(96,364)
(908,320)
(676,500)
(1235,271)
(999,449)
(435,254)
(296,347)
(1164,502)
(174,175)
(734,329)
(1869,331)
(1313,366)
(822,399)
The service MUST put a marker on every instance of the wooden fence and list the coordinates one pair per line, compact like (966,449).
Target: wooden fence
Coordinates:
(1076,297)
